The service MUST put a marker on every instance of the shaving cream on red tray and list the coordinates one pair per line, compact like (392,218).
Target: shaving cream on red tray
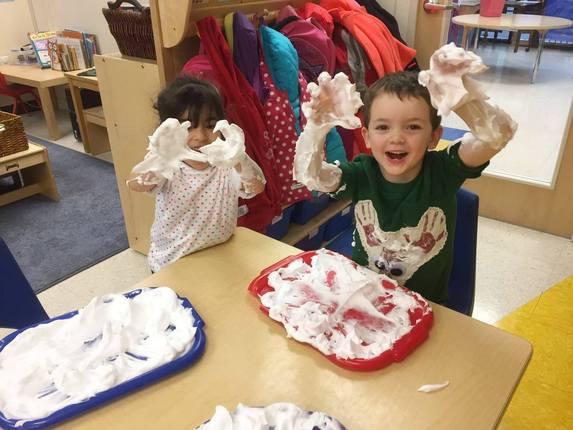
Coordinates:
(357,318)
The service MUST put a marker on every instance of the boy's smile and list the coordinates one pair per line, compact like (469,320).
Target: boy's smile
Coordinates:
(399,134)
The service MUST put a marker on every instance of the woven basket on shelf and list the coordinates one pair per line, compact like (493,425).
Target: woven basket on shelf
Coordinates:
(131,28)
(12,136)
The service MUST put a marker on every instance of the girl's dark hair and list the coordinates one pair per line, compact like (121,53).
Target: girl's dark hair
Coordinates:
(187,93)
(402,85)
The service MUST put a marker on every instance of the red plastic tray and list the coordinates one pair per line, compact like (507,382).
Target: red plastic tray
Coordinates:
(401,348)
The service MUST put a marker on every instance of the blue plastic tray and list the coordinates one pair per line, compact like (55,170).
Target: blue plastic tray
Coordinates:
(122,389)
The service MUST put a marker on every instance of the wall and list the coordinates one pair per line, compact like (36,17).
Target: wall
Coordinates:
(17,20)
(85,15)
(15,23)
(405,13)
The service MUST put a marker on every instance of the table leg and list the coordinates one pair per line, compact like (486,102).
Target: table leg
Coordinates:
(79,109)
(476,38)
(47,97)
(538,57)
(465,38)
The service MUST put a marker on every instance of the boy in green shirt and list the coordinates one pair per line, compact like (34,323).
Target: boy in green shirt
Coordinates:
(405,194)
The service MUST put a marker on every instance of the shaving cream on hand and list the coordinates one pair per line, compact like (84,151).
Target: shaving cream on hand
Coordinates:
(334,101)
(451,88)
(227,152)
(167,148)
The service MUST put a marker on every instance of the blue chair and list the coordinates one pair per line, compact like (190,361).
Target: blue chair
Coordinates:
(461,288)
(19,306)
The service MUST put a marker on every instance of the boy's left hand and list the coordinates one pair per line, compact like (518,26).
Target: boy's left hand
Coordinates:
(448,78)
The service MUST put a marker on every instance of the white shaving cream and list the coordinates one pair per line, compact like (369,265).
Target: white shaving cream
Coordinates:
(431,388)
(278,416)
(111,340)
(334,101)
(338,307)
(451,88)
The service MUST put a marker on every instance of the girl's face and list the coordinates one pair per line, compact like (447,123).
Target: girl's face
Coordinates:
(200,134)
(399,134)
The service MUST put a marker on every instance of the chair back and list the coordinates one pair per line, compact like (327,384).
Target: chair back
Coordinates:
(461,288)
(19,306)
(3,83)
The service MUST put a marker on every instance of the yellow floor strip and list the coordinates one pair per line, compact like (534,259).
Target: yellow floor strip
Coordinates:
(442,144)
(544,398)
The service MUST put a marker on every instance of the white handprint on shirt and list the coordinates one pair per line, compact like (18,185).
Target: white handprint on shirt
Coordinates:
(398,254)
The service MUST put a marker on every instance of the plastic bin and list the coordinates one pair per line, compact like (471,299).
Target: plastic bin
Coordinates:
(491,8)
(343,242)
(278,228)
(127,387)
(421,319)
(339,222)
(313,240)
(305,210)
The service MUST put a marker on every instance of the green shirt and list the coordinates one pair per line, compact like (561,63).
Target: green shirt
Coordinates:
(406,230)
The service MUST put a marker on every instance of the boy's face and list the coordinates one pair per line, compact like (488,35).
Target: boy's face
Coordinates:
(399,134)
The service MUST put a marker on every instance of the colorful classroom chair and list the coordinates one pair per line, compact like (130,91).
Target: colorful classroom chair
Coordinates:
(16,91)
(19,306)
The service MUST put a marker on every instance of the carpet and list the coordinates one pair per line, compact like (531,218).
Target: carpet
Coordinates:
(52,241)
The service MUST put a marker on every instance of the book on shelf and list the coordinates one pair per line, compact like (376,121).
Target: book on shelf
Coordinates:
(71,50)
(40,43)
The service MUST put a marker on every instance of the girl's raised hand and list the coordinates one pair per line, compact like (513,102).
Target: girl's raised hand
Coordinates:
(228,152)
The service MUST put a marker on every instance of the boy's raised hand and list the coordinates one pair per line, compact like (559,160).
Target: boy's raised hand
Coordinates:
(447,79)
(451,88)
(334,101)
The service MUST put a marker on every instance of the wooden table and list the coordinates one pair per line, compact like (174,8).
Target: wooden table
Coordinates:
(91,120)
(513,22)
(35,172)
(248,359)
(44,80)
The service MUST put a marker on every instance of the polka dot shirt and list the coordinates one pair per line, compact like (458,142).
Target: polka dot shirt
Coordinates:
(196,209)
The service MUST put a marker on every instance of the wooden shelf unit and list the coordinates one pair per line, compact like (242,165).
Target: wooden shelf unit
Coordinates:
(91,121)
(127,81)
(35,174)
(95,115)
(128,87)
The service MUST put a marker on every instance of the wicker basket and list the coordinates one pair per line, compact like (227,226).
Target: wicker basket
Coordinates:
(12,136)
(131,28)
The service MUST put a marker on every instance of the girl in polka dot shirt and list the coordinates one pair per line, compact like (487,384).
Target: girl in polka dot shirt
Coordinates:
(197,206)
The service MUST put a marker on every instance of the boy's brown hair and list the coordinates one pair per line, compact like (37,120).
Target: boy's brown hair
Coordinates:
(402,85)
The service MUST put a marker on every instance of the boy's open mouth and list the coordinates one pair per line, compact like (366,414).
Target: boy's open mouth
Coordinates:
(396,155)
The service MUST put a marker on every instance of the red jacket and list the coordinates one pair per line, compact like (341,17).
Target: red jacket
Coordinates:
(243,107)
(386,53)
